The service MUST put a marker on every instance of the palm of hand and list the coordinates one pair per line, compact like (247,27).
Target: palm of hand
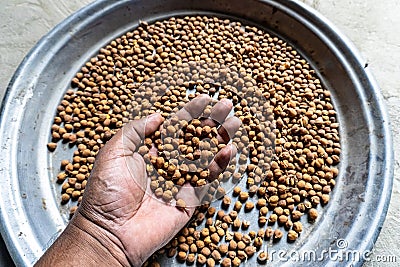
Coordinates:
(117,198)
(116,201)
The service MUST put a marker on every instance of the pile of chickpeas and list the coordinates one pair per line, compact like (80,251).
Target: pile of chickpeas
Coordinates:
(288,143)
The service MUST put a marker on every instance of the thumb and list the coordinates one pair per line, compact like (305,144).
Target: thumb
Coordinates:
(135,131)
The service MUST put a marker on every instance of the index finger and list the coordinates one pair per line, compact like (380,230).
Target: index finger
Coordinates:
(194,108)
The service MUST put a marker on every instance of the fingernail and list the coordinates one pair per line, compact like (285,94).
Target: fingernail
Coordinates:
(153,116)
(204,96)
(227,102)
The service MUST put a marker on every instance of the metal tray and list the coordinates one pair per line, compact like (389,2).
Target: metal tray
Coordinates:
(31,216)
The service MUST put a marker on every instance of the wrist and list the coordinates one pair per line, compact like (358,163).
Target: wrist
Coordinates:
(83,243)
(105,247)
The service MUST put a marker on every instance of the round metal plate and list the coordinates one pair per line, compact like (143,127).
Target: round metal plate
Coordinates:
(31,216)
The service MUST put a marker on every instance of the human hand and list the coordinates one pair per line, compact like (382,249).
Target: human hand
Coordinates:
(118,215)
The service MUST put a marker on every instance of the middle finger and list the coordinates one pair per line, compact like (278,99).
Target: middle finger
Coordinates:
(219,112)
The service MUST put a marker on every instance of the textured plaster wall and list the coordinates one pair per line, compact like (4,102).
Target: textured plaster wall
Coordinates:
(373,26)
